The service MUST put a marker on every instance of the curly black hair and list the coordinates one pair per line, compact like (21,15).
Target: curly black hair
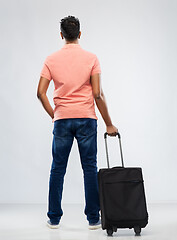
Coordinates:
(70,28)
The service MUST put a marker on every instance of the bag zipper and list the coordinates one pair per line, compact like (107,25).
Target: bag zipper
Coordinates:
(125,181)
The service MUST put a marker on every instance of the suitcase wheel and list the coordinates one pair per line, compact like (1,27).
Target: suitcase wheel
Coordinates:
(109,231)
(137,230)
(114,229)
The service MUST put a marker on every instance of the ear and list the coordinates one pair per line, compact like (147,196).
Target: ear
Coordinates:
(61,35)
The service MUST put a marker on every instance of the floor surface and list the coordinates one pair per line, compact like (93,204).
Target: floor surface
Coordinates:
(28,221)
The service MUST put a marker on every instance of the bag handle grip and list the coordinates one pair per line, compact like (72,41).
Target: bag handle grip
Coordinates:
(105,137)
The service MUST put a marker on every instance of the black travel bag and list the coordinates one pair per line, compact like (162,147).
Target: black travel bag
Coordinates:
(122,196)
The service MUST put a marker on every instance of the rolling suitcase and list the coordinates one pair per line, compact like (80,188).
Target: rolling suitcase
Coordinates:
(122,196)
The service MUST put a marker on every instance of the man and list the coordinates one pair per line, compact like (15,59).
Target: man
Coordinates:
(76,75)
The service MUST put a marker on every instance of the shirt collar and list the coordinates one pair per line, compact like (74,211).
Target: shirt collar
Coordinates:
(72,45)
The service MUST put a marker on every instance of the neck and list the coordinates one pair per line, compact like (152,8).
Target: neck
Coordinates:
(73,42)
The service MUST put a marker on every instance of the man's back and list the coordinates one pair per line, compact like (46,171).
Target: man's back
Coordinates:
(71,68)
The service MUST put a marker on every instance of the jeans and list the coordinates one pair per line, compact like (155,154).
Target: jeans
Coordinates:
(85,132)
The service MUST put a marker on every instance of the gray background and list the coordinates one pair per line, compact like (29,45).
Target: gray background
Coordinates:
(135,42)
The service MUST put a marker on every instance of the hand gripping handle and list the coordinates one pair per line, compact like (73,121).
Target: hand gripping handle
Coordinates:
(105,137)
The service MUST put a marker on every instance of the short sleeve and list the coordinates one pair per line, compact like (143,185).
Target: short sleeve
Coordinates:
(96,67)
(45,72)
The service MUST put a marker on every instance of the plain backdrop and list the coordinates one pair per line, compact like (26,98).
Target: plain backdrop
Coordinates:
(135,41)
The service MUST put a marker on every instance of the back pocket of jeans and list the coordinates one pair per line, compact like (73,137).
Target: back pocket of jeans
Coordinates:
(60,128)
(90,127)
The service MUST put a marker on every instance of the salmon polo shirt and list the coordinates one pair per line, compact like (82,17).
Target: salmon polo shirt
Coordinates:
(70,68)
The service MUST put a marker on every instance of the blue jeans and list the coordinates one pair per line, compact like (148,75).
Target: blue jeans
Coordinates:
(85,132)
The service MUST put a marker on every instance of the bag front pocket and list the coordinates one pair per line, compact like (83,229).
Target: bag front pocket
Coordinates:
(124,200)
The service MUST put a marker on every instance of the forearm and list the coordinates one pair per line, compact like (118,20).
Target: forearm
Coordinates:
(45,102)
(103,109)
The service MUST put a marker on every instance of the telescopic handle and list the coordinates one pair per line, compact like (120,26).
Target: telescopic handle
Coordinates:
(105,137)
